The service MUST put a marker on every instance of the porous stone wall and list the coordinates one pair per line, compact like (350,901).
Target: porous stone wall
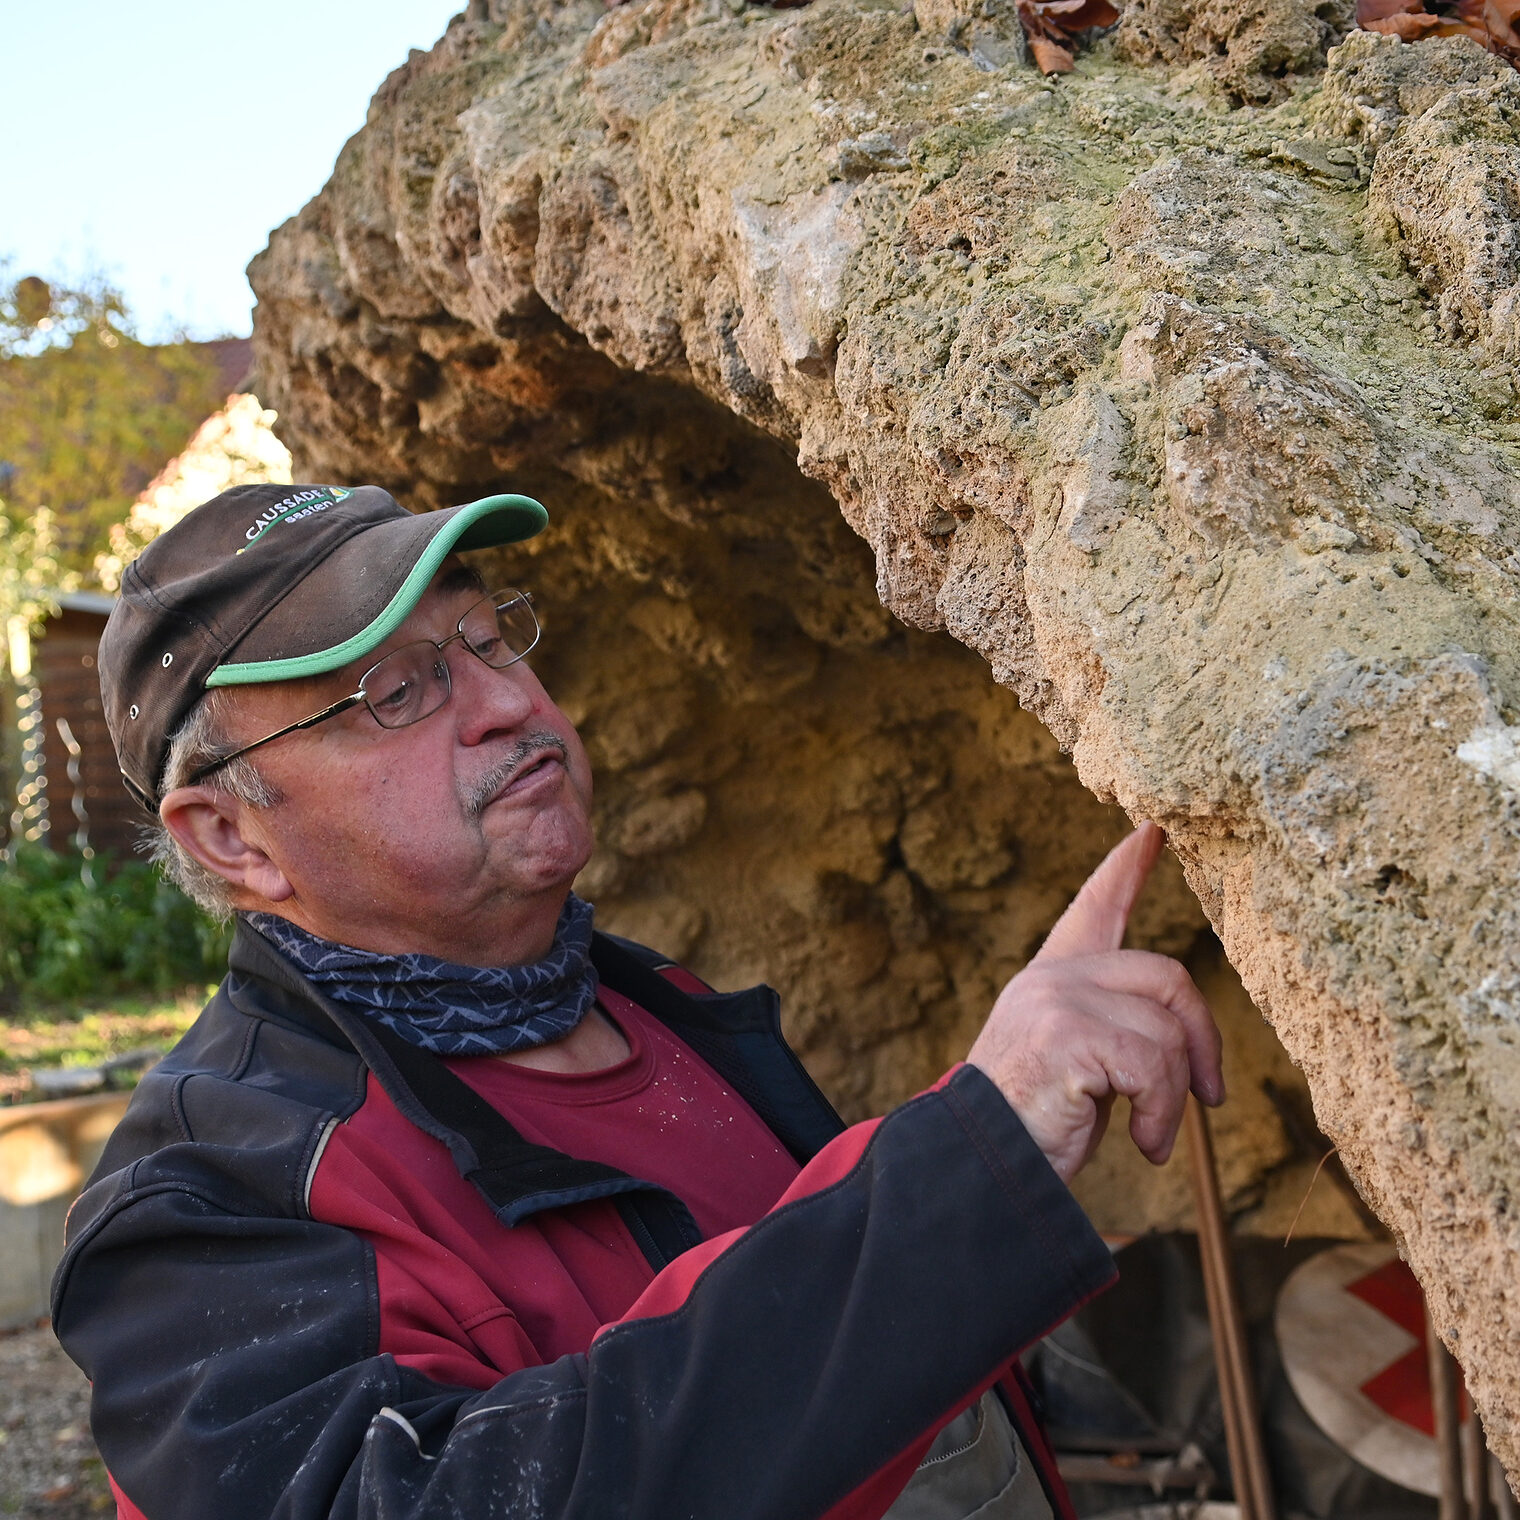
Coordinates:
(1181,391)
(792,787)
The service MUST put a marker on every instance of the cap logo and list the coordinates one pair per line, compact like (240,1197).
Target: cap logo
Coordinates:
(292,509)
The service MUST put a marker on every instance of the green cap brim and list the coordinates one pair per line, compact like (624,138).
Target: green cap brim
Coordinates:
(480,524)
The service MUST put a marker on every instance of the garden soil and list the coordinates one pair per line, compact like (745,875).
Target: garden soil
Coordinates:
(49,1469)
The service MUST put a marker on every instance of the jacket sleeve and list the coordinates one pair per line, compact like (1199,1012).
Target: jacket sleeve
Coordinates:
(787,1371)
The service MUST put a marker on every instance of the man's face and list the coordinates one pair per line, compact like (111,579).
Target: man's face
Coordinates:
(457,836)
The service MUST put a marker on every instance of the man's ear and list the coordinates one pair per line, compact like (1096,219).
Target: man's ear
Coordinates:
(211,825)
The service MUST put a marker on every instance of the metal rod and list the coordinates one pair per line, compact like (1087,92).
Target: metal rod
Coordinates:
(1504,1496)
(1237,1388)
(1443,1399)
(1475,1460)
(1176,1471)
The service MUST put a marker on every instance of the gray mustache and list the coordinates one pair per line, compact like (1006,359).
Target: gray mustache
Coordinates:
(528,746)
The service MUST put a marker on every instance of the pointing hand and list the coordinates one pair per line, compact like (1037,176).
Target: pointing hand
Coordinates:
(1085,1022)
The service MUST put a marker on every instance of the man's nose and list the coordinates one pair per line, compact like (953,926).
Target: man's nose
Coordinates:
(487,700)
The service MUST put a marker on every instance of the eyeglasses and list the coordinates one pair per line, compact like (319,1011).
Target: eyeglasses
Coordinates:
(412,683)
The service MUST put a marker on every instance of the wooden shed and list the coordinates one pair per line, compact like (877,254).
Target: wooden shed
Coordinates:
(70,792)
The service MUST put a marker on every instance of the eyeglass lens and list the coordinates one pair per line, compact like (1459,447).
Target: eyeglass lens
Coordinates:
(412,682)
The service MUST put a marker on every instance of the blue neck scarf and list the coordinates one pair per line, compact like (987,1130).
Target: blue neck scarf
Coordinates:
(449,1009)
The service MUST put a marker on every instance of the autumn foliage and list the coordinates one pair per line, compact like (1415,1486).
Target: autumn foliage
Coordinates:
(89,413)
(1493,23)
(1052,26)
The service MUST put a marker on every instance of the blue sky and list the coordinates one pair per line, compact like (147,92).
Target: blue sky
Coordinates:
(159,142)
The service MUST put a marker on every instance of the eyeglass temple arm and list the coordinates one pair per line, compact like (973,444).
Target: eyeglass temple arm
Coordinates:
(341,705)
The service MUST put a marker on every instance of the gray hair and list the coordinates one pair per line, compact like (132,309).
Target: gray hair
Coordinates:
(199,740)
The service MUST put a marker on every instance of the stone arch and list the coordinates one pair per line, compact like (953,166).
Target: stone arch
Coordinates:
(1137,401)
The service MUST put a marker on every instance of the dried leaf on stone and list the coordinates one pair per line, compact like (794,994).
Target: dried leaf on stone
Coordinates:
(1369,11)
(1052,26)
(1493,23)
(1410,28)
(1459,29)
(1469,12)
(1502,18)
(1050,57)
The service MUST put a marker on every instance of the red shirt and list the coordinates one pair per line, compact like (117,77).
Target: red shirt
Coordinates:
(663,1115)
(449,1304)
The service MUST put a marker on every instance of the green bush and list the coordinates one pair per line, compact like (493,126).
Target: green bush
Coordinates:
(131,932)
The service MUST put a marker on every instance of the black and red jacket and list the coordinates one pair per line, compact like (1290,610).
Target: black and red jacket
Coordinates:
(795,1370)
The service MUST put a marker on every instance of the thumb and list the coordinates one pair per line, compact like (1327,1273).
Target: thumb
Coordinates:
(1094,923)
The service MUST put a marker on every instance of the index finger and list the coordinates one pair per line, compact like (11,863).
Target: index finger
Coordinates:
(1096,919)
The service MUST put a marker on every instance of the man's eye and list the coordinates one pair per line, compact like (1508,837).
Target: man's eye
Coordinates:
(393,696)
(488,647)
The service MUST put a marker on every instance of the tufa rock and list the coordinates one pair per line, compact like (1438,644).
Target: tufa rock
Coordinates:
(1197,425)
(1251,49)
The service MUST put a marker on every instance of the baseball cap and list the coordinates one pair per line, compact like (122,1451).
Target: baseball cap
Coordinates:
(271,583)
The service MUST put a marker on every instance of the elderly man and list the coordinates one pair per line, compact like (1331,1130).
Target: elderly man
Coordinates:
(448,1206)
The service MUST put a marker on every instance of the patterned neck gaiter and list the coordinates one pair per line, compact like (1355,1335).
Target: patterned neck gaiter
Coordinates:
(448,1009)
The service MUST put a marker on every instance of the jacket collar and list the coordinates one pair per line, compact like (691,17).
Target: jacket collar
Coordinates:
(738,1034)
